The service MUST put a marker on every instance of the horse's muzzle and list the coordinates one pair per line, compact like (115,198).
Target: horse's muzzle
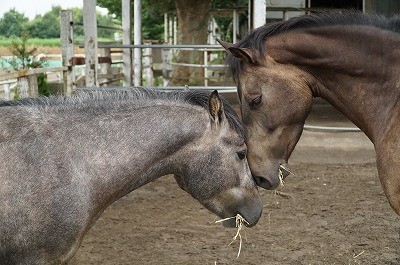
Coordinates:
(250,210)
(271,182)
(267,183)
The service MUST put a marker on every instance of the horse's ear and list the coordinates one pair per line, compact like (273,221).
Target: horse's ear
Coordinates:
(225,44)
(215,107)
(244,54)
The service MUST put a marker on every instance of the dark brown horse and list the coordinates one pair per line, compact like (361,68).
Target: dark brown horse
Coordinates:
(352,60)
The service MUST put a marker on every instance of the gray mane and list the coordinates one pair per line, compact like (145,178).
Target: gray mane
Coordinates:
(98,101)
(256,39)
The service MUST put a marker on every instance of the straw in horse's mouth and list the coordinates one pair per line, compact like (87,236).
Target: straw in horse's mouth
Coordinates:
(240,220)
(280,173)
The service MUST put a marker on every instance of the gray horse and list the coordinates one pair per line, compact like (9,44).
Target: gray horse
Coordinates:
(64,160)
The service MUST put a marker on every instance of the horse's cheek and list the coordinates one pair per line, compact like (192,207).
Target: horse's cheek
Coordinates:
(206,180)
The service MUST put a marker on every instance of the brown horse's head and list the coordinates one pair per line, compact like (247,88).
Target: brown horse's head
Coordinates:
(275,101)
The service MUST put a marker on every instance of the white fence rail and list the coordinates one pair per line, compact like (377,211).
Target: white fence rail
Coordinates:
(167,60)
(25,79)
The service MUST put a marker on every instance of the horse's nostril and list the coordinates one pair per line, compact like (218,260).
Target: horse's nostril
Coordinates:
(266,183)
(258,180)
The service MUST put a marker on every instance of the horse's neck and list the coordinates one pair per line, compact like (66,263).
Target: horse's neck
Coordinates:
(128,150)
(355,69)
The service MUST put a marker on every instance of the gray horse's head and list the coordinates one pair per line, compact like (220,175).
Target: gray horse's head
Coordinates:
(215,170)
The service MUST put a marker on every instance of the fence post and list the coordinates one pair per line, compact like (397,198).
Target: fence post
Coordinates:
(205,54)
(166,66)
(90,32)
(259,13)
(6,91)
(166,28)
(148,65)
(67,47)
(175,31)
(137,40)
(235,25)
(28,87)
(170,30)
(127,40)
(105,68)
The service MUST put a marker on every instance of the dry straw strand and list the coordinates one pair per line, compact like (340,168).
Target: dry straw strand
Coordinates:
(359,254)
(239,224)
(280,173)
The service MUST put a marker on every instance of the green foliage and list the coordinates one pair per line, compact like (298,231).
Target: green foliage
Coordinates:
(226,23)
(102,20)
(153,8)
(152,23)
(114,6)
(152,15)
(12,24)
(34,42)
(47,26)
(228,3)
(26,59)
(43,86)
(44,42)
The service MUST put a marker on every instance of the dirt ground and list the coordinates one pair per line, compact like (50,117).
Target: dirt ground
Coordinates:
(338,214)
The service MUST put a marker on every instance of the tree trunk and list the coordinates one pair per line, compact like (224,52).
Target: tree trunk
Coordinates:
(193,18)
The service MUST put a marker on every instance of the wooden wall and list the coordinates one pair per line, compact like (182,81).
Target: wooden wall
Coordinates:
(384,7)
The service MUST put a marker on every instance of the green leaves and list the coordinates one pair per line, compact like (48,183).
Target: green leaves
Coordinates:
(24,57)
(13,23)
(47,26)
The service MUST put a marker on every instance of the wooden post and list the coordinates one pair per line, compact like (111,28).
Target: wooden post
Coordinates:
(171,33)
(90,32)
(175,41)
(137,40)
(148,65)
(67,47)
(251,13)
(235,25)
(205,54)
(28,87)
(105,68)
(259,12)
(6,91)
(166,66)
(165,28)
(23,87)
(285,15)
(127,40)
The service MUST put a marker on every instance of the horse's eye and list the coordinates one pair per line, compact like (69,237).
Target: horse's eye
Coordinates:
(255,102)
(241,154)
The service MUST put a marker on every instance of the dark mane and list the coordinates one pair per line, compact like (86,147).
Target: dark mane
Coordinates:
(94,101)
(256,39)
